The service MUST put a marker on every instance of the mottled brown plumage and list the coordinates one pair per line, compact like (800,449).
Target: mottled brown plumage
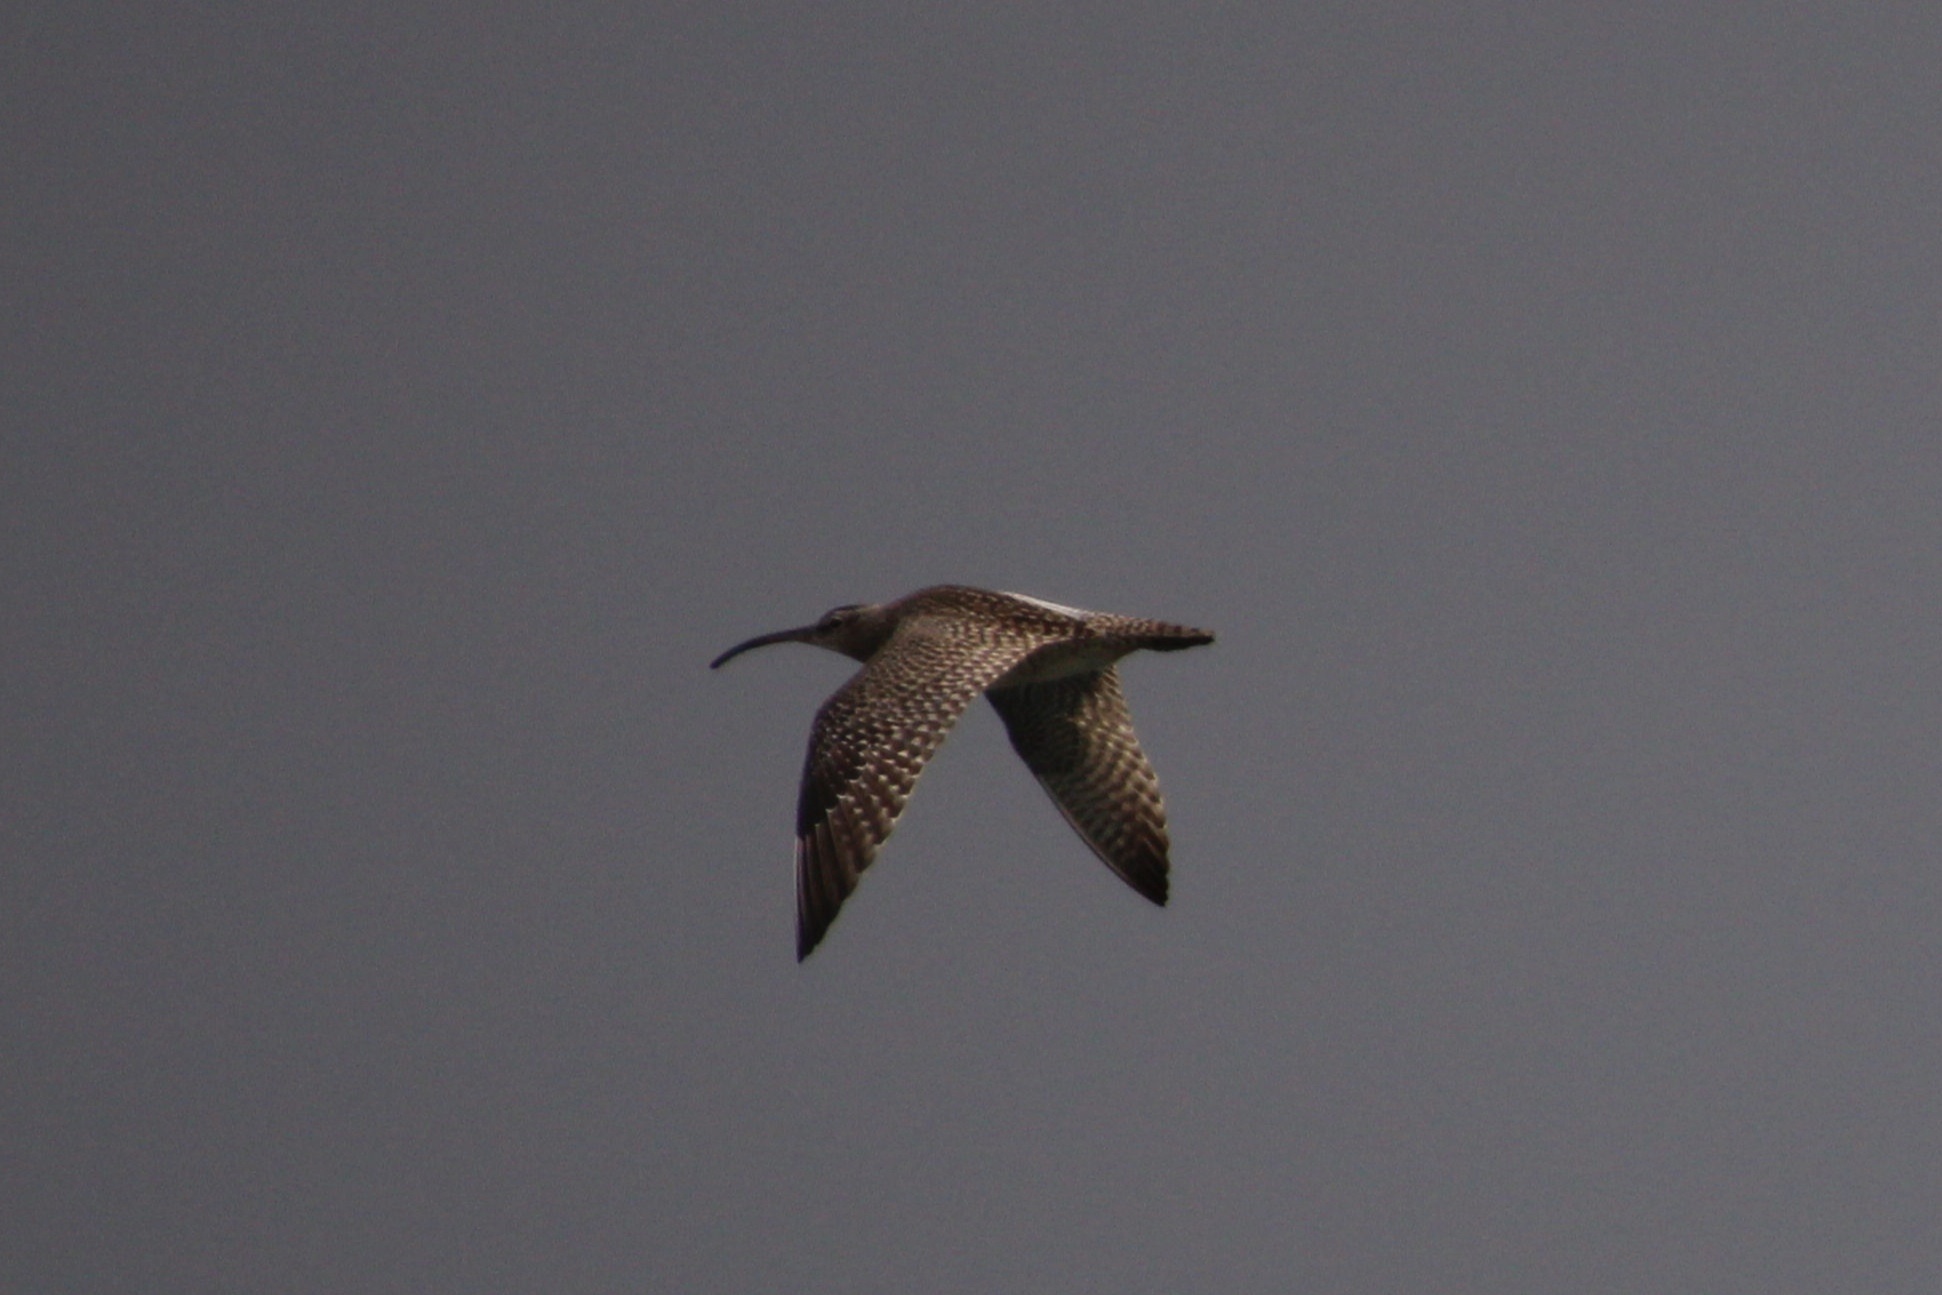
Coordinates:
(1048,671)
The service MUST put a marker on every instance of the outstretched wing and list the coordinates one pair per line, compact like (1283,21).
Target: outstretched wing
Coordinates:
(869,743)
(1076,735)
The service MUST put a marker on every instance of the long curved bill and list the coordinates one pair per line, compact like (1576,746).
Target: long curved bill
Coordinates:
(799,635)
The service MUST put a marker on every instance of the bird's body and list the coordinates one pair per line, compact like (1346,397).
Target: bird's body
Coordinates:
(1049,672)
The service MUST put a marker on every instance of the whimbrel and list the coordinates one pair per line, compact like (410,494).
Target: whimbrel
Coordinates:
(1049,672)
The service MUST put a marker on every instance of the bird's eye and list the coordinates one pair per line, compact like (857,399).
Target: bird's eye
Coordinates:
(835,618)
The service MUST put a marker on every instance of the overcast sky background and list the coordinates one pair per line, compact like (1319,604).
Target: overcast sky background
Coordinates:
(403,403)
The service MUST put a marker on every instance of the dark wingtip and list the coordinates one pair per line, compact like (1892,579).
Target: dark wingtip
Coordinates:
(1156,889)
(1148,875)
(808,935)
(814,912)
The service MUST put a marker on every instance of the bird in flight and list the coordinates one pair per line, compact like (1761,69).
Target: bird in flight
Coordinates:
(1048,670)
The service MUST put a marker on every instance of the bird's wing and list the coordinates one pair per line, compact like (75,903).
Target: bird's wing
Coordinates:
(1076,735)
(871,740)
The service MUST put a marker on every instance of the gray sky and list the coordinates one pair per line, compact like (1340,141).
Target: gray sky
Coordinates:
(403,404)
